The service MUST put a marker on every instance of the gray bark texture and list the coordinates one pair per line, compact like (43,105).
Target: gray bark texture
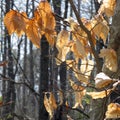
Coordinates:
(99,106)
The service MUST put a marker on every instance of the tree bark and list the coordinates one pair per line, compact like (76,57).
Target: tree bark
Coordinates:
(43,87)
(10,95)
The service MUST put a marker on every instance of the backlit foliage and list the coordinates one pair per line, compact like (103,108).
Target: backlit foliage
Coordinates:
(74,40)
(50,103)
(113,111)
(110,57)
(43,23)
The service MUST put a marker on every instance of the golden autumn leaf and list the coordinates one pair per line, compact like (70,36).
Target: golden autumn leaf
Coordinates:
(113,111)
(33,33)
(48,106)
(45,12)
(102,80)
(99,27)
(70,64)
(62,39)
(73,24)
(50,103)
(101,94)
(39,21)
(42,23)
(78,33)
(86,67)
(50,38)
(110,57)
(46,21)
(78,49)
(61,44)
(81,77)
(53,101)
(78,98)
(108,7)
(75,86)
(79,92)
(16,22)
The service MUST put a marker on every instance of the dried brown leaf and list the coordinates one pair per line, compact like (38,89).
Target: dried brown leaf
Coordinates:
(100,27)
(113,111)
(50,38)
(75,86)
(62,39)
(45,12)
(101,94)
(61,44)
(50,103)
(32,32)
(78,49)
(78,98)
(16,22)
(102,80)
(108,7)
(110,57)
(86,67)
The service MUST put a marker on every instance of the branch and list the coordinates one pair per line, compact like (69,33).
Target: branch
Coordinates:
(68,107)
(88,35)
(23,83)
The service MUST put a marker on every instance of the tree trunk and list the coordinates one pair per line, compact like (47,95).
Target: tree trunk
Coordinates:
(10,95)
(43,87)
(114,43)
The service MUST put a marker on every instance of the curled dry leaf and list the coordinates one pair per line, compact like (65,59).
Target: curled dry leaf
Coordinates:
(73,24)
(79,93)
(70,64)
(86,67)
(78,98)
(113,111)
(101,94)
(62,47)
(78,49)
(50,103)
(81,77)
(102,80)
(15,22)
(99,27)
(45,12)
(77,32)
(50,38)
(46,21)
(75,86)
(110,59)
(62,39)
(43,22)
(108,7)
(33,33)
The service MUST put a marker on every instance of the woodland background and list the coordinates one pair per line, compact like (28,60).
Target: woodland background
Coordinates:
(27,72)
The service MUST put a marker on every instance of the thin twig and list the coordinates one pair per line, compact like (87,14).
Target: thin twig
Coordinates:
(68,107)
(88,34)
